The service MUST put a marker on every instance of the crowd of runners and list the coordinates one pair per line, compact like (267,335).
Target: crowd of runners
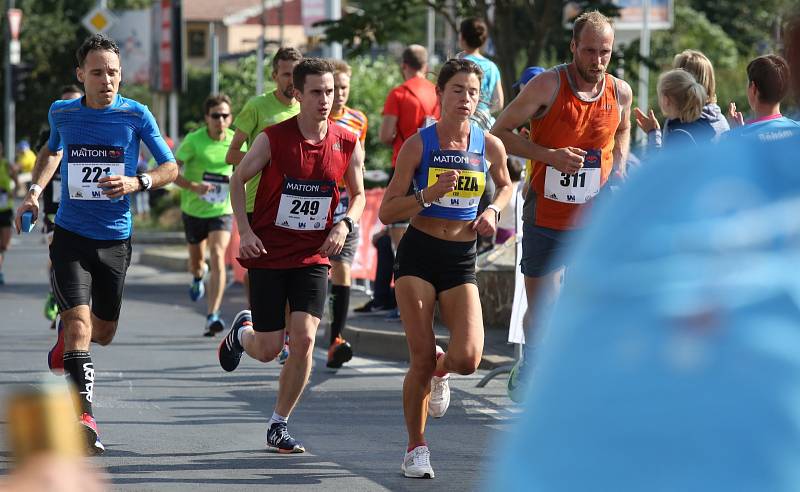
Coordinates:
(288,169)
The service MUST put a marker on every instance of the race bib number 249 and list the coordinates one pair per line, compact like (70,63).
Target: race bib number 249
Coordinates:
(304,204)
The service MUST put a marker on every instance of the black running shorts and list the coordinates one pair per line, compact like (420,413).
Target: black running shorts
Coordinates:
(6,218)
(197,229)
(444,264)
(89,272)
(306,289)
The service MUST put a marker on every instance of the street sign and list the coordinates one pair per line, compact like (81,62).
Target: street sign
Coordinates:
(14,20)
(99,19)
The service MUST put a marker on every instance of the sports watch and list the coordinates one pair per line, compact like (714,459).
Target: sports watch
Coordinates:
(144,181)
(496,212)
(349,223)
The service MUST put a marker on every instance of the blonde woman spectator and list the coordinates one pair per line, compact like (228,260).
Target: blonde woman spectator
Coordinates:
(697,64)
(682,100)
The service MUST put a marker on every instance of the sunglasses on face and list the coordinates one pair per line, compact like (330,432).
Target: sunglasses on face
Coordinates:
(214,116)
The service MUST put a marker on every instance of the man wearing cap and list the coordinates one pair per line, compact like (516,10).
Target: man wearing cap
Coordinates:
(579,133)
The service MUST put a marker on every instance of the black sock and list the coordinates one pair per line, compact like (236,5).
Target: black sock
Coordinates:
(341,304)
(79,368)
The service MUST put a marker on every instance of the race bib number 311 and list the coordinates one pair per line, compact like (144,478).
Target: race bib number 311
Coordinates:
(575,188)
(304,204)
(87,164)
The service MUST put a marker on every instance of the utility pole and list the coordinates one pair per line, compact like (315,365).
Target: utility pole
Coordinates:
(644,52)
(260,50)
(10,105)
(212,34)
(333,11)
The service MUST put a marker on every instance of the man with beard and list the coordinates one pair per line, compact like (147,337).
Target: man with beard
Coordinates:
(579,133)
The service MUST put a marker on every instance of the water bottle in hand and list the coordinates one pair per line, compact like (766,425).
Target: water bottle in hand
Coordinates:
(27,221)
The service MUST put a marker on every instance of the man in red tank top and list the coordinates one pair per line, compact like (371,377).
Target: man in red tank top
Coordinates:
(286,249)
(580,132)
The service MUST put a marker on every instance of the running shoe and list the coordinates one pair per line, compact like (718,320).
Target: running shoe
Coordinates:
(284,354)
(417,463)
(279,440)
(50,307)
(197,289)
(93,444)
(339,352)
(439,400)
(371,307)
(55,358)
(214,325)
(230,350)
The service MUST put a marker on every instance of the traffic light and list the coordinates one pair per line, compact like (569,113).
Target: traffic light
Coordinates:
(19,75)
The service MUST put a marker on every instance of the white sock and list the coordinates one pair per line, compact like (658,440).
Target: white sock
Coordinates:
(277,418)
(239,337)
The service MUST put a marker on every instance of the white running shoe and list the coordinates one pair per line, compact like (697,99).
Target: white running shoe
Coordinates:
(440,392)
(417,463)
(440,396)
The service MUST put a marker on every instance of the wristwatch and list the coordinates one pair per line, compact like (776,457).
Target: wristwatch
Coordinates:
(496,212)
(349,223)
(144,181)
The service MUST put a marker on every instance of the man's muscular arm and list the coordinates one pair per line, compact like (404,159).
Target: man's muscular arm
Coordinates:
(622,137)
(535,98)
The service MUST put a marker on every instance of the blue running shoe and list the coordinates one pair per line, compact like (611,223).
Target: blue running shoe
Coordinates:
(230,350)
(284,354)
(197,289)
(279,440)
(214,325)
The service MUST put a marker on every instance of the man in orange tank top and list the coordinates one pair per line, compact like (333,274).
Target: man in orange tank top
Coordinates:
(580,133)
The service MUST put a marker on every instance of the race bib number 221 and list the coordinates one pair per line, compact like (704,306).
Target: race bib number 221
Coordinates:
(87,164)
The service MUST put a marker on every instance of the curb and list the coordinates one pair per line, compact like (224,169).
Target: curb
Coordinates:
(392,345)
(173,259)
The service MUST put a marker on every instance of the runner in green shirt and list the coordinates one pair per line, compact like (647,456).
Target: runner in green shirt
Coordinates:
(263,111)
(206,203)
(6,210)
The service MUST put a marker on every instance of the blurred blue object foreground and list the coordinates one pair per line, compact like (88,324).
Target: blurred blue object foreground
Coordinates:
(672,362)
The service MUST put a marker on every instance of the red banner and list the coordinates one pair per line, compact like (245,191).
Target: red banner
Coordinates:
(365,261)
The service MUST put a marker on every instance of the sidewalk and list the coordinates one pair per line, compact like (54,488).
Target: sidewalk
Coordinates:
(369,334)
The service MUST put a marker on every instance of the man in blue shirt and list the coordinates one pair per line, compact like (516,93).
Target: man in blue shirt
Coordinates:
(98,136)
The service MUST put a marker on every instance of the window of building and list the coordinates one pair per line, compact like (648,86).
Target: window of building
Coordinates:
(197,43)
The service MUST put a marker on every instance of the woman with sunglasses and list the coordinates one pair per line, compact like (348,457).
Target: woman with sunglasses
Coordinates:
(206,203)
(447,164)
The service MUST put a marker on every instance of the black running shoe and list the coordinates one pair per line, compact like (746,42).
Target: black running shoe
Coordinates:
(279,440)
(339,352)
(230,350)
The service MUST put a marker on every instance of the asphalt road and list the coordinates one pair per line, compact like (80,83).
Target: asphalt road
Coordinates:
(171,419)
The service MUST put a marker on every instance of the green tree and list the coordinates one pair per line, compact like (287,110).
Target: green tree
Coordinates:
(752,24)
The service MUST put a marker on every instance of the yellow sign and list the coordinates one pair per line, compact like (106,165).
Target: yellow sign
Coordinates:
(98,20)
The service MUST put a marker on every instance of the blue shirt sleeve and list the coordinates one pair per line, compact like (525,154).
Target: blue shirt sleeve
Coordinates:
(54,142)
(151,136)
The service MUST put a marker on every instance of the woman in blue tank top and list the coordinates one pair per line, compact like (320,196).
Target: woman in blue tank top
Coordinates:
(447,164)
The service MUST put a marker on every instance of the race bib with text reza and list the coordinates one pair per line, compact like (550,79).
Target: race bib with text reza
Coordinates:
(341,208)
(304,204)
(220,188)
(575,188)
(87,164)
(56,188)
(471,177)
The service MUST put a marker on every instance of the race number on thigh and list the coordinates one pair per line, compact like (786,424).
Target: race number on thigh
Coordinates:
(87,164)
(220,188)
(304,204)
(574,188)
